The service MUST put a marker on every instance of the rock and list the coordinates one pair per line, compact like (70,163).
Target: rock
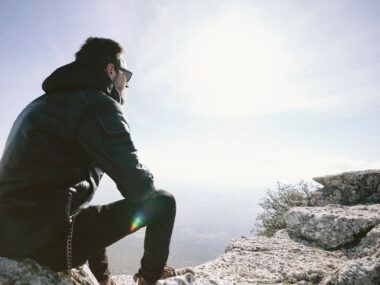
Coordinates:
(263,260)
(362,270)
(354,230)
(123,280)
(333,226)
(178,280)
(348,188)
(82,276)
(356,272)
(27,271)
(369,245)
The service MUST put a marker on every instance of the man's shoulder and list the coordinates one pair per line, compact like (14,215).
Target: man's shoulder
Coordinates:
(99,100)
(78,103)
(106,111)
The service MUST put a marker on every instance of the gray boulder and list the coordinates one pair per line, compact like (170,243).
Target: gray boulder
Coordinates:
(364,268)
(348,188)
(333,226)
(369,245)
(27,271)
(82,276)
(356,272)
(354,230)
(275,260)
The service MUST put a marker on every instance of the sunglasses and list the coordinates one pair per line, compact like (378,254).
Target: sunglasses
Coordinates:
(127,73)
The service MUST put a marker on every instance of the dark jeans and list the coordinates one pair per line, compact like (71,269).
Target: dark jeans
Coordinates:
(97,227)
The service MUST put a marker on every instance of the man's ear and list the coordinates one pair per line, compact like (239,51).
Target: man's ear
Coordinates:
(110,70)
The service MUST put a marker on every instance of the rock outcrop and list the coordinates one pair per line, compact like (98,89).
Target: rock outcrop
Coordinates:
(348,188)
(328,244)
(274,260)
(27,272)
(333,226)
(356,272)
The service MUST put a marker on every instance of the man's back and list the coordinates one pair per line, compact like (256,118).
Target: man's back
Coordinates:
(42,167)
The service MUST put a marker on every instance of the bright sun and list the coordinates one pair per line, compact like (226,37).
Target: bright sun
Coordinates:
(235,67)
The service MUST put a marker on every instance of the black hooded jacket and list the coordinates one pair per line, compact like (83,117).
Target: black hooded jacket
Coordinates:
(56,153)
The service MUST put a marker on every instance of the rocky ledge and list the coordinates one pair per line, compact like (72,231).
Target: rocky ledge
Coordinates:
(330,244)
(348,188)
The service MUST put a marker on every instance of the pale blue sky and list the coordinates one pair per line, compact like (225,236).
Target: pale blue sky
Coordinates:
(224,93)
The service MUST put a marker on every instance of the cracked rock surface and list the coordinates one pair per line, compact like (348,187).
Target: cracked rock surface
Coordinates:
(27,271)
(348,188)
(273,260)
(332,226)
(356,272)
(368,246)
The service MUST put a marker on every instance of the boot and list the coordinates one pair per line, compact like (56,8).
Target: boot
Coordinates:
(167,272)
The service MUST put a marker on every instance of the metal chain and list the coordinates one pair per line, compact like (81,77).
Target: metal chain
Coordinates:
(69,243)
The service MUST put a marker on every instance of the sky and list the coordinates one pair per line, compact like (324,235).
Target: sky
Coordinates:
(224,94)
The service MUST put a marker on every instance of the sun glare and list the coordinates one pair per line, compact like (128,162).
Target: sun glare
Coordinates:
(235,67)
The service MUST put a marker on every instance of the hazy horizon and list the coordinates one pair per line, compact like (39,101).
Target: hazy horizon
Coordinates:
(207,219)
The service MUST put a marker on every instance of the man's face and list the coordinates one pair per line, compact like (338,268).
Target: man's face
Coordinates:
(119,80)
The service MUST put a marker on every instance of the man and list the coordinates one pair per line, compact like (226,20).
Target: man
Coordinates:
(57,151)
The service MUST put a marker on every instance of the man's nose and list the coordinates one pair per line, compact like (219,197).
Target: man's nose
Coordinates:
(126,85)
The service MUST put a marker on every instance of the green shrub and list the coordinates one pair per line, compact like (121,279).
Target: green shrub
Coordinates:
(278,202)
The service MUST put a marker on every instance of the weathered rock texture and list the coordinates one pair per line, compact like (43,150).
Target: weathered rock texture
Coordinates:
(368,246)
(273,260)
(348,188)
(14,272)
(27,271)
(333,226)
(179,280)
(356,272)
(82,276)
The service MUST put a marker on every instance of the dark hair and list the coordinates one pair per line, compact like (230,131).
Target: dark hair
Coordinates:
(99,52)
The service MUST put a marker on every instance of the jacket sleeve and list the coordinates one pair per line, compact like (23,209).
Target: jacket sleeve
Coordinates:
(104,135)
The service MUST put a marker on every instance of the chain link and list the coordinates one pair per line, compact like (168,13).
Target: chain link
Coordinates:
(69,243)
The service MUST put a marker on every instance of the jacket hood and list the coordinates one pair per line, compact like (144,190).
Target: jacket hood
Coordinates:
(77,76)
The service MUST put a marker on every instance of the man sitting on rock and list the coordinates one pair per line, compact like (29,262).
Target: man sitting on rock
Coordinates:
(57,151)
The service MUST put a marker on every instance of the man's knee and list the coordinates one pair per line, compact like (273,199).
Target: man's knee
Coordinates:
(168,199)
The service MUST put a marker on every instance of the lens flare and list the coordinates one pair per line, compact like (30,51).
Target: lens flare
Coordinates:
(136,223)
